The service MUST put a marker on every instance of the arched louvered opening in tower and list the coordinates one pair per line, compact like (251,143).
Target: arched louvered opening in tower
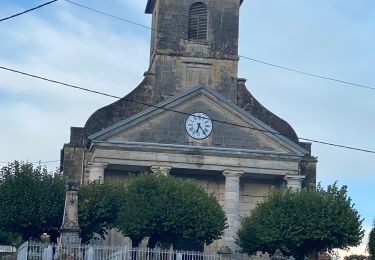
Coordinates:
(198,22)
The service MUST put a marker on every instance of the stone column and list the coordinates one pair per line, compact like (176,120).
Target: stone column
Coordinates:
(294,181)
(96,171)
(232,210)
(163,170)
(70,229)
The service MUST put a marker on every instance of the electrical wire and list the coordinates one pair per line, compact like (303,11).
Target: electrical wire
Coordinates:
(29,10)
(241,56)
(40,162)
(180,112)
(309,74)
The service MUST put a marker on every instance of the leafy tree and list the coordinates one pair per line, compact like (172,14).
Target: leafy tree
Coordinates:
(98,207)
(7,238)
(356,257)
(371,242)
(302,223)
(170,210)
(31,201)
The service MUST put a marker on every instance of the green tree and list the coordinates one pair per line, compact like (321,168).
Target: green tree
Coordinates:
(371,243)
(31,201)
(356,257)
(170,210)
(7,238)
(302,223)
(98,208)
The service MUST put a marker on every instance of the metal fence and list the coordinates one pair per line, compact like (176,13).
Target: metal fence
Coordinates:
(22,251)
(38,251)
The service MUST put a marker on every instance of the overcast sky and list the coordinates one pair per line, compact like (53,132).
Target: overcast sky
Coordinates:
(331,38)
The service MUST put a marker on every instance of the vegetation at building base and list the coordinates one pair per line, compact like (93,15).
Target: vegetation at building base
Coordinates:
(371,243)
(31,201)
(357,257)
(302,223)
(170,210)
(165,209)
(99,205)
(9,238)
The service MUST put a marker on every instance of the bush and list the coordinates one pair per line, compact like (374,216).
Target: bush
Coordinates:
(301,223)
(170,210)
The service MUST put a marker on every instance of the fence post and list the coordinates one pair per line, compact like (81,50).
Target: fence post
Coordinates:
(90,253)
(47,253)
(22,251)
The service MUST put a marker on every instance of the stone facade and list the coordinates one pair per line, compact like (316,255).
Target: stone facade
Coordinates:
(250,150)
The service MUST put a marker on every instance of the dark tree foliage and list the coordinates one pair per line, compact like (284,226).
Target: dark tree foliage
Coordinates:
(170,210)
(356,257)
(98,207)
(302,223)
(371,242)
(7,238)
(31,201)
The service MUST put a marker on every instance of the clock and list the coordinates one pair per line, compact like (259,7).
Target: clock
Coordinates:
(199,126)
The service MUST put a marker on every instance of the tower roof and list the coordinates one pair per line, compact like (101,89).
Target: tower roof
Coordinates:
(150,4)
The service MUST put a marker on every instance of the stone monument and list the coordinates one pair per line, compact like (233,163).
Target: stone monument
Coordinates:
(70,228)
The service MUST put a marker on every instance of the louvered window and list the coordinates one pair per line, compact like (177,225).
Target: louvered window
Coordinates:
(198,22)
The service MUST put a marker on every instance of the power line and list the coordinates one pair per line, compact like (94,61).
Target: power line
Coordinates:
(41,162)
(109,15)
(58,82)
(123,19)
(244,57)
(29,10)
(180,112)
(309,74)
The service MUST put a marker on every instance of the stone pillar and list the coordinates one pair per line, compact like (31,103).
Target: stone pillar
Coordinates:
(163,170)
(294,181)
(96,171)
(232,210)
(70,229)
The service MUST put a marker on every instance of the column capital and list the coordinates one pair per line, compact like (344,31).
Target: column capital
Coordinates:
(97,164)
(164,170)
(232,174)
(96,171)
(294,177)
(294,181)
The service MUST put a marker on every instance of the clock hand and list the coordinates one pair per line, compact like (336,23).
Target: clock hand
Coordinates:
(199,126)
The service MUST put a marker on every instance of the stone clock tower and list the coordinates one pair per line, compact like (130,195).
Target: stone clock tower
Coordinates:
(191,128)
(194,43)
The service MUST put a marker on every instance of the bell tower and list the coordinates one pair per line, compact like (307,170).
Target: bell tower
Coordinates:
(194,42)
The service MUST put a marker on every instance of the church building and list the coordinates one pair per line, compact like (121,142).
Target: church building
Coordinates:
(193,117)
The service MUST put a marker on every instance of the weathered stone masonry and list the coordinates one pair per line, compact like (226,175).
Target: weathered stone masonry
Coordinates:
(238,165)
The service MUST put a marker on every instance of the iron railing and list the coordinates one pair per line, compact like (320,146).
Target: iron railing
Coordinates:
(39,251)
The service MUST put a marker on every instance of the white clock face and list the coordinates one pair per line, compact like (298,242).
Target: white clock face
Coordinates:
(199,126)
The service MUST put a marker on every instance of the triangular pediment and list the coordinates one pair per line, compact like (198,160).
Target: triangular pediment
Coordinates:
(164,123)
